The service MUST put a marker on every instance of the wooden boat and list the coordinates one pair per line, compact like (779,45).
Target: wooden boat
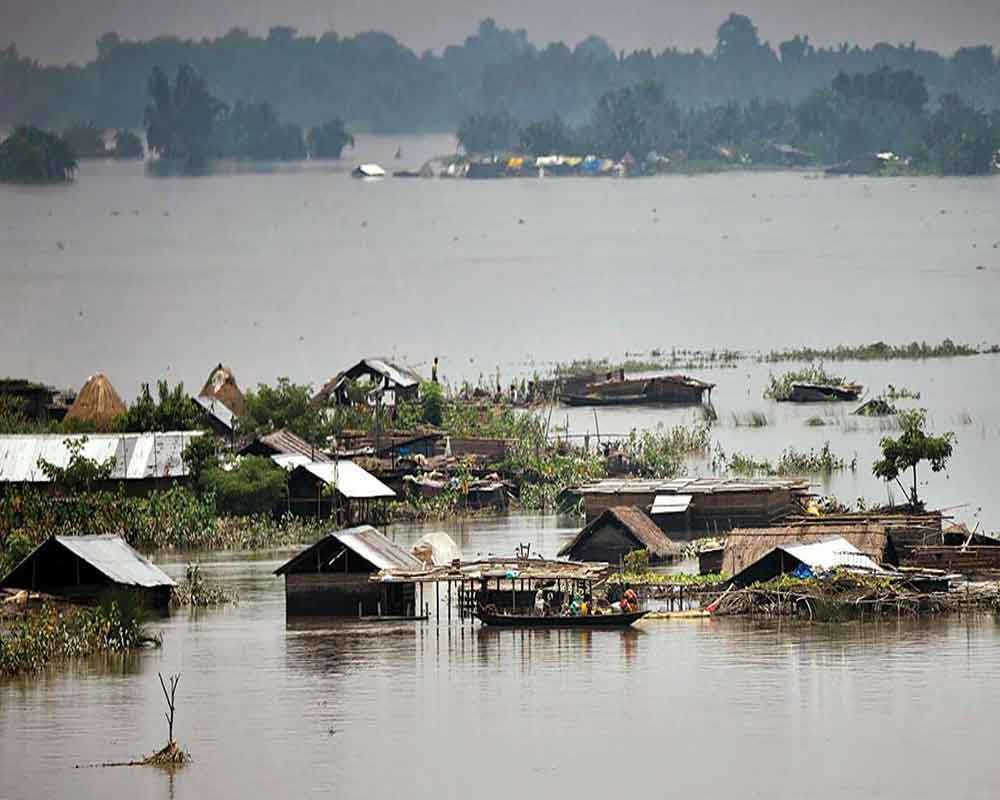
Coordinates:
(814,393)
(674,389)
(558,621)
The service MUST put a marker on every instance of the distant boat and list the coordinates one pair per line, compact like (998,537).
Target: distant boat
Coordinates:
(815,393)
(679,389)
(368,171)
(618,620)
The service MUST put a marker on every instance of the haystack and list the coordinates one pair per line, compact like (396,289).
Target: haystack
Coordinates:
(221,385)
(97,403)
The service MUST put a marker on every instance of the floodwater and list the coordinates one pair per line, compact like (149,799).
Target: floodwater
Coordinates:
(708,708)
(296,270)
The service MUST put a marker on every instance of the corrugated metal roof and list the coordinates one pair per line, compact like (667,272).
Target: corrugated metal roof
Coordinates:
(829,554)
(349,479)
(671,503)
(115,558)
(397,373)
(290,461)
(285,442)
(136,455)
(363,540)
(709,485)
(217,409)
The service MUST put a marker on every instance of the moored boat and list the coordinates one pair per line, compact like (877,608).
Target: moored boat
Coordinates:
(618,620)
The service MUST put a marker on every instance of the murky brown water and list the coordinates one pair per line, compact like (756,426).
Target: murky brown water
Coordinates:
(707,708)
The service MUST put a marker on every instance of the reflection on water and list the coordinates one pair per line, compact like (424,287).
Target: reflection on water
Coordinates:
(356,709)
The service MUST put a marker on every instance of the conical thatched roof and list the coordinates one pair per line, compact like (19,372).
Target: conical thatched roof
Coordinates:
(221,385)
(97,402)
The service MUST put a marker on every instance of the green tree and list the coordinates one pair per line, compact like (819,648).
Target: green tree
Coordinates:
(489,132)
(286,405)
(256,485)
(128,145)
(910,448)
(201,455)
(329,139)
(80,472)
(85,140)
(173,410)
(180,119)
(546,137)
(31,155)
(432,403)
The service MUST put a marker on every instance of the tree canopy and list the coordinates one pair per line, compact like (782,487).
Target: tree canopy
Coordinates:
(31,155)
(911,447)
(371,79)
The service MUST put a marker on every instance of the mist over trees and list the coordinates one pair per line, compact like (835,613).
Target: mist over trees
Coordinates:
(375,83)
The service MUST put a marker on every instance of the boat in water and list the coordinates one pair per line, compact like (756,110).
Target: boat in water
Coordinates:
(368,171)
(619,391)
(818,393)
(617,620)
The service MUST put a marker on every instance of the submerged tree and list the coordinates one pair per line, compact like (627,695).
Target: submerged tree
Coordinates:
(329,139)
(180,119)
(31,155)
(488,132)
(910,448)
(128,145)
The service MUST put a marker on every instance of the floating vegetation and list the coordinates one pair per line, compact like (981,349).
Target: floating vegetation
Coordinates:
(751,419)
(817,422)
(876,407)
(197,592)
(790,462)
(29,642)
(879,351)
(660,453)
(900,393)
(780,388)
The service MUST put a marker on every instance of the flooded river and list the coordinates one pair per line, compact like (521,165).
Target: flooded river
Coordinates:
(706,708)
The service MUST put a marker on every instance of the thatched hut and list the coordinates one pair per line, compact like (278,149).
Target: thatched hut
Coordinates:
(221,385)
(97,403)
(616,533)
(744,546)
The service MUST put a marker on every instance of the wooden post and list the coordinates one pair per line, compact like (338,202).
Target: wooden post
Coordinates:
(437,602)
(449,602)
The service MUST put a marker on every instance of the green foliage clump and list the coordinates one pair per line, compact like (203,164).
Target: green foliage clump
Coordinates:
(328,140)
(636,562)
(791,462)
(195,591)
(780,388)
(173,410)
(255,485)
(912,446)
(286,405)
(80,472)
(877,351)
(432,403)
(31,155)
(28,643)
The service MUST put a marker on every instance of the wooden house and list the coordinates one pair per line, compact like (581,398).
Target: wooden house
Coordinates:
(389,380)
(616,533)
(82,568)
(338,489)
(333,577)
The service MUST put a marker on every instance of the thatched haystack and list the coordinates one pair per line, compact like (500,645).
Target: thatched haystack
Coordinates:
(221,385)
(97,403)
(744,546)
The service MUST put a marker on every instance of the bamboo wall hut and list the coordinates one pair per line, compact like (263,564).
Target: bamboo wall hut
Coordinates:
(806,559)
(333,577)
(97,403)
(616,533)
(82,568)
(744,546)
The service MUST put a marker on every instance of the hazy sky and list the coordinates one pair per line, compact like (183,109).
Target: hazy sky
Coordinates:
(65,30)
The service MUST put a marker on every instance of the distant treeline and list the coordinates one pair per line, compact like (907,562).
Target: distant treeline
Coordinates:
(373,81)
(859,115)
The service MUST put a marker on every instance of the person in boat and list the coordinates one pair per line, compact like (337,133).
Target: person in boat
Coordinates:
(630,600)
(540,605)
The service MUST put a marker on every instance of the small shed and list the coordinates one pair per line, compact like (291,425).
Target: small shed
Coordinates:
(616,533)
(340,489)
(807,559)
(744,546)
(82,568)
(333,577)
